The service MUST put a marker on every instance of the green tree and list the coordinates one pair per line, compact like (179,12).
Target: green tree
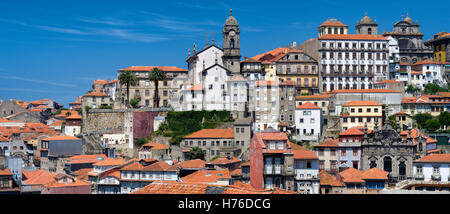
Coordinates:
(432,125)
(134,102)
(105,107)
(444,118)
(421,119)
(141,141)
(393,122)
(196,153)
(127,78)
(431,88)
(156,75)
(87,108)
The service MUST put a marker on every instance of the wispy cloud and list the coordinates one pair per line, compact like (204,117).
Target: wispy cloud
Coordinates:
(38,81)
(105,21)
(30,90)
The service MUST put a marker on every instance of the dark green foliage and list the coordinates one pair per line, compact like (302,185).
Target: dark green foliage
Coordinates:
(105,107)
(392,121)
(213,158)
(444,118)
(432,125)
(196,153)
(141,141)
(421,118)
(87,108)
(184,123)
(134,102)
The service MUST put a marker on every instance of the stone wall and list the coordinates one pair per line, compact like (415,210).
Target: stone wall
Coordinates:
(102,120)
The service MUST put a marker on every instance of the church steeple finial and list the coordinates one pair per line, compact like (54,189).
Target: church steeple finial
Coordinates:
(366,13)
(207,43)
(231,12)
(212,39)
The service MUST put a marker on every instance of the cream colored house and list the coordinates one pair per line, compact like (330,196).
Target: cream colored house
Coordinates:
(361,113)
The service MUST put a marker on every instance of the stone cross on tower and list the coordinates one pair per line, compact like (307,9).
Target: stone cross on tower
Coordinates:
(212,39)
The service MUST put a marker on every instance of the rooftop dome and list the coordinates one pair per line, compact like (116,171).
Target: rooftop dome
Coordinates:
(408,19)
(366,20)
(231,20)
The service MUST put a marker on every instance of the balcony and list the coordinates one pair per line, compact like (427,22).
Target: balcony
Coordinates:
(436,176)
(419,176)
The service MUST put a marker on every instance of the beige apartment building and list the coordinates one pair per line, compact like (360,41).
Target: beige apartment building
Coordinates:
(361,113)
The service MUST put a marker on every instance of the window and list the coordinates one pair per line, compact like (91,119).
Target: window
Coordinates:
(375,110)
(355,152)
(419,170)
(436,170)
(313,120)
(369,110)
(333,152)
(360,110)
(343,152)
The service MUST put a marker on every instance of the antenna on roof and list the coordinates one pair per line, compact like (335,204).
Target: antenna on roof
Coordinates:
(207,43)
(212,40)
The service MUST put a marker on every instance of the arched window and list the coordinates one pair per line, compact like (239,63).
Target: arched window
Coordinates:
(387,162)
(373,164)
(231,43)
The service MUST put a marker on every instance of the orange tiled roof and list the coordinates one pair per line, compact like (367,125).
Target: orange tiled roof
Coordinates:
(359,130)
(352,175)
(427,62)
(212,133)
(236,172)
(95,94)
(4,139)
(435,158)
(364,91)
(416,72)
(266,83)
(220,161)
(192,164)
(109,162)
(61,137)
(5,172)
(268,56)
(318,96)
(155,146)
(83,174)
(77,159)
(160,166)
(57,123)
(328,143)
(133,167)
(327,179)
(349,37)
(77,182)
(74,116)
(374,174)
(304,155)
(333,24)
(150,68)
(288,82)
(308,105)
(197,87)
(100,82)
(206,176)
(171,187)
(274,136)
(362,103)
(38,177)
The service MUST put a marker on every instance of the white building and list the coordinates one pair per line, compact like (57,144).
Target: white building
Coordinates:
(394,57)
(433,167)
(266,104)
(308,122)
(352,61)
(306,171)
(433,72)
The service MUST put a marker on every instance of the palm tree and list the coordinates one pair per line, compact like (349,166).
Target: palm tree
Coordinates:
(127,78)
(156,75)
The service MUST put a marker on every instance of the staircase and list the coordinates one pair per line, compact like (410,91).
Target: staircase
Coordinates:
(92,144)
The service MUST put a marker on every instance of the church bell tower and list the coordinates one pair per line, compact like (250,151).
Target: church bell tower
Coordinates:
(231,51)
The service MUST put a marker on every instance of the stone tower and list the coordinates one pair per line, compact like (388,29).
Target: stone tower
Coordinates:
(367,26)
(231,51)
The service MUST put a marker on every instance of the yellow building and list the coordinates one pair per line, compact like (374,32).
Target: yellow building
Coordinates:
(441,47)
(404,120)
(361,113)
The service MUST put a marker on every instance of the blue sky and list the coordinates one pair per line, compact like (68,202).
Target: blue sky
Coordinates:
(50,49)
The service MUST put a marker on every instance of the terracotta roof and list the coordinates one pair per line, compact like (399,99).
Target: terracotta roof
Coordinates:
(221,161)
(288,82)
(77,182)
(427,62)
(401,113)
(95,94)
(150,68)
(212,133)
(362,103)
(374,174)
(56,123)
(38,177)
(133,167)
(266,83)
(308,105)
(318,96)
(268,56)
(83,174)
(100,82)
(327,179)
(349,37)
(155,146)
(78,159)
(160,166)
(351,175)
(61,137)
(111,173)
(192,164)
(364,91)
(109,162)
(304,155)
(75,102)
(5,172)
(236,172)
(170,187)
(333,24)
(9,121)
(273,136)
(435,158)
(207,176)
(416,72)
(197,87)
(4,139)
(74,116)
(354,131)
(328,143)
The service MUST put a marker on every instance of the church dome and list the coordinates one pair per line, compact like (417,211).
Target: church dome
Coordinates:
(366,20)
(231,20)
(409,20)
